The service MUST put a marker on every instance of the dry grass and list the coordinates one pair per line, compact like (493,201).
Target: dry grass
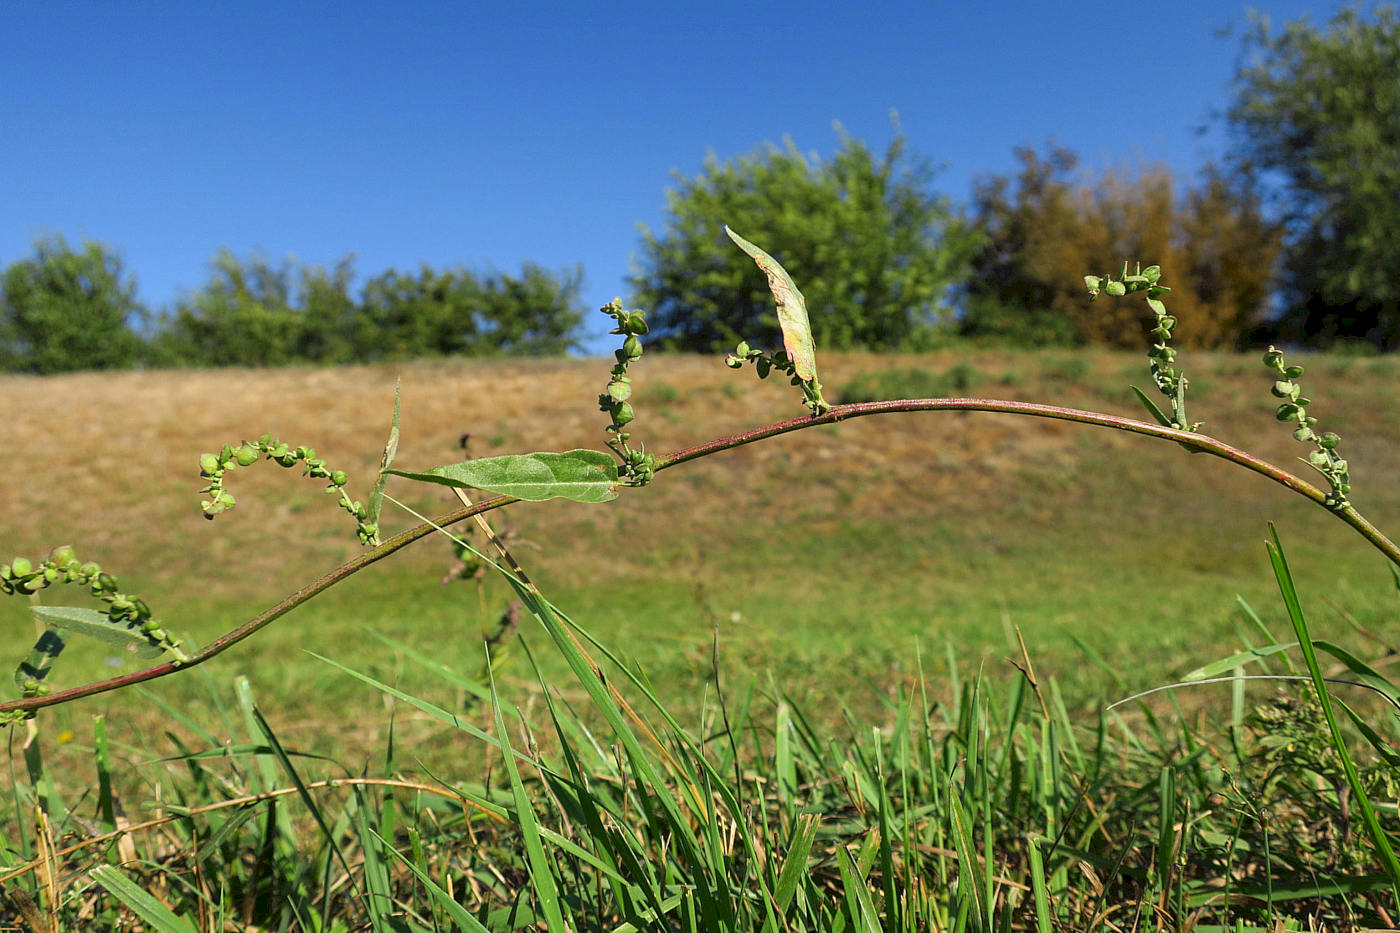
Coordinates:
(967,521)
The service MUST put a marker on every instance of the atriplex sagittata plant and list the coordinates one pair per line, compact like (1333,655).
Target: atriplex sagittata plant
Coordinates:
(594,476)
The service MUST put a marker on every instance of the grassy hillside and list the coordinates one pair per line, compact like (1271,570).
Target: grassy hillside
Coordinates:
(831,563)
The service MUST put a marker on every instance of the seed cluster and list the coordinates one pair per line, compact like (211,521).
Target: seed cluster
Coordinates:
(1324,457)
(22,577)
(213,467)
(637,467)
(764,364)
(1170,381)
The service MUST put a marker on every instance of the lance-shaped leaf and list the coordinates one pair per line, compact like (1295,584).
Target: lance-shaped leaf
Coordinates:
(792,309)
(579,475)
(99,625)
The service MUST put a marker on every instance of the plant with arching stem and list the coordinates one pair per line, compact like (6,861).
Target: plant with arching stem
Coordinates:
(591,476)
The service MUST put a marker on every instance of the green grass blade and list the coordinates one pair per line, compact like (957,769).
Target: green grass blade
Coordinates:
(141,903)
(541,873)
(858,902)
(454,911)
(794,868)
(1300,626)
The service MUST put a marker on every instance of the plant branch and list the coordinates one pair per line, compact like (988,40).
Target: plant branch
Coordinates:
(1201,442)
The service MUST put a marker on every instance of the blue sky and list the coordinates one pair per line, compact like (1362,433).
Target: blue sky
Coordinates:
(480,135)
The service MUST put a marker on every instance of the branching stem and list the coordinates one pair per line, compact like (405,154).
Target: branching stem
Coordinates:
(1204,443)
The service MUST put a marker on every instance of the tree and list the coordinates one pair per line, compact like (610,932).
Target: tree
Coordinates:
(873,250)
(64,310)
(1317,113)
(259,313)
(455,313)
(243,316)
(1047,230)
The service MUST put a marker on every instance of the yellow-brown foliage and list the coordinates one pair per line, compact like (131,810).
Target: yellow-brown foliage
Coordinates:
(1216,250)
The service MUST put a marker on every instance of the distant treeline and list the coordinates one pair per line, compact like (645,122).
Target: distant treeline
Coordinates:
(67,309)
(1294,238)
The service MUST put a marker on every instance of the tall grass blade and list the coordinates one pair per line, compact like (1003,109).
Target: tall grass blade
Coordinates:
(141,903)
(541,873)
(1305,642)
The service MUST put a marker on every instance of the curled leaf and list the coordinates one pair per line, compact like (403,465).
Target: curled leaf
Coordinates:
(391,449)
(792,309)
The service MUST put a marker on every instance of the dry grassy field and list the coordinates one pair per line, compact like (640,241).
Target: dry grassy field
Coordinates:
(835,560)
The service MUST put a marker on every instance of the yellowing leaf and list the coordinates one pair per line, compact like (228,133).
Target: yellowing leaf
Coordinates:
(792,309)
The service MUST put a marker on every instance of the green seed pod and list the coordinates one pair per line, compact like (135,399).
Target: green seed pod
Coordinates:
(227,500)
(51,574)
(208,465)
(742,350)
(21,567)
(1340,466)
(1092,282)
(1329,441)
(1293,372)
(1319,458)
(1272,357)
(247,455)
(338,478)
(619,391)
(1303,434)
(733,362)
(632,347)
(63,555)
(1282,389)
(637,322)
(106,582)
(369,529)
(623,414)
(1116,289)
(90,569)
(143,611)
(1285,411)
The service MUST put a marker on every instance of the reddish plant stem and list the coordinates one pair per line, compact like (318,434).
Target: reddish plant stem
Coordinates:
(1199,442)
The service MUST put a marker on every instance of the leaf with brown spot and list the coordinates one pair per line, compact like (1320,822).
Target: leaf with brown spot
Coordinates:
(792,309)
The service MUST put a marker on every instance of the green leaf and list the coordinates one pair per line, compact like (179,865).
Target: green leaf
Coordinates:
(1226,665)
(792,309)
(1152,408)
(579,475)
(99,625)
(391,449)
(140,901)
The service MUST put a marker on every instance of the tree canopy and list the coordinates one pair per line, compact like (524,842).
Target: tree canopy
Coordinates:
(66,309)
(1316,114)
(255,312)
(1048,227)
(874,250)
